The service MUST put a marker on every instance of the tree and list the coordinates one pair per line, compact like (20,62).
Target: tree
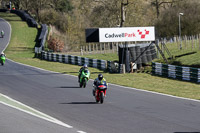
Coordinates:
(105,13)
(168,24)
(37,6)
(61,5)
(25,4)
(123,11)
(160,3)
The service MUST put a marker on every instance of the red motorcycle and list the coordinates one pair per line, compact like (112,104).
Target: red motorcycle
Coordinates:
(101,92)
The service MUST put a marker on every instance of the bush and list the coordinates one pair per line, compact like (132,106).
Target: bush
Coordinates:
(55,18)
(55,44)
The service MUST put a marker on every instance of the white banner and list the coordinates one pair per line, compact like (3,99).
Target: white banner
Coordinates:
(126,34)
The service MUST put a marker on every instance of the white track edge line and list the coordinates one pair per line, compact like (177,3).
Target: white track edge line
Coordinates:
(9,35)
(48,118)
(81,132)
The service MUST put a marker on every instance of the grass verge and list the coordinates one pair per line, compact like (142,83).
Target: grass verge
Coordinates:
(21,46)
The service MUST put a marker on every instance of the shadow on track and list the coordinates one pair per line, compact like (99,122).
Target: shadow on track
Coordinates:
(80,103)
(186,132)
(69,87)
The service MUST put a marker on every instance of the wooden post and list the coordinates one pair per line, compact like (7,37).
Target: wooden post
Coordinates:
(104,46)
(159,44)
(174,39)
(86,49)
(93,47)
(101,48)
(185,41)
(108,47)
(113,49)
(81,50)
(117,44)
(188,42)
(89,48)
(123,69)
(199,41)
(177,42)
(195,41)
(192,42)
(96,48)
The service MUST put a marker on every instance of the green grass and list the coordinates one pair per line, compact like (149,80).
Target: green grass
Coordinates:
(189,55)
(22,38)
(108,56)
(21,46)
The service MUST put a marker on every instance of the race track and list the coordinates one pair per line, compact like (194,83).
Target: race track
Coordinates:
(125,110)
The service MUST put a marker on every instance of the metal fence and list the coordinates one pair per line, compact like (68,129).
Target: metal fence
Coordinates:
(176,72)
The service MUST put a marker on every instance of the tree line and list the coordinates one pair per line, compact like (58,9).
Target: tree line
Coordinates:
(72,17)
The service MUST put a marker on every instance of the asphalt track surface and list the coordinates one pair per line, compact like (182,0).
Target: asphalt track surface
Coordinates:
(7,30)
(125,110)
(15,121)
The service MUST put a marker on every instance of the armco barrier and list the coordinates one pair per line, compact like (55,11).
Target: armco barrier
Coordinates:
(176,72)
(75,60)
(25,17)
(39,47)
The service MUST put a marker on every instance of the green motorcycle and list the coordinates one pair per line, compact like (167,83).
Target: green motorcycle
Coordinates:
(3,59)
(84,78)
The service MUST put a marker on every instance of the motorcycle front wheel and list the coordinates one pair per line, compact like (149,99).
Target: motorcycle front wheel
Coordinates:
(97,97)
(84,83)
(2,63)
(80,84)
(101,97)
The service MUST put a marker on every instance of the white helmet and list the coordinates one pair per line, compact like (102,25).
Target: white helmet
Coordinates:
(2,52)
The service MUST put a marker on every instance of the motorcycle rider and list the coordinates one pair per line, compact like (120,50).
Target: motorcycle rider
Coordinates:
(83,68)
(2,33)
(2,54)
(98,81)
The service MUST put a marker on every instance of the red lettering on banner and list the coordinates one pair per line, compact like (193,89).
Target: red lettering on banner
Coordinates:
(130,35)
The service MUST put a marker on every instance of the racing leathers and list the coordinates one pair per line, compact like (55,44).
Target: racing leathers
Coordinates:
(96,83)
(80,72)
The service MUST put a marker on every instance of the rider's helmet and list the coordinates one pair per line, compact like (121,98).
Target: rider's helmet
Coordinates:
(85,65)
(100,76)
(2,53)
